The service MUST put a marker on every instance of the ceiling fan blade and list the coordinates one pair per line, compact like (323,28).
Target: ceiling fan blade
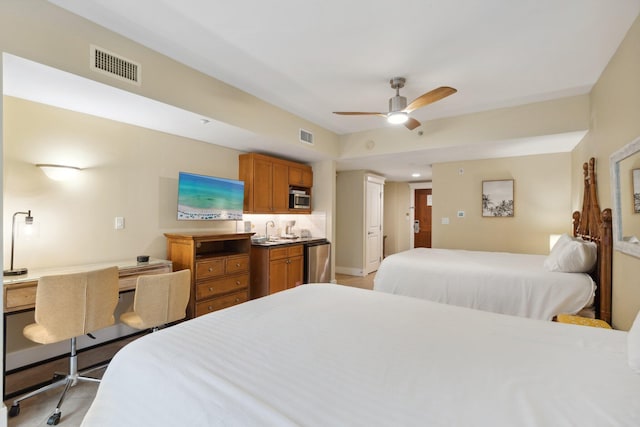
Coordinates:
(412,123)
(358,113)
(430,97)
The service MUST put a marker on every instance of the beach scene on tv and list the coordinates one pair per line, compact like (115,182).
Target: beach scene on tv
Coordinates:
(202,197)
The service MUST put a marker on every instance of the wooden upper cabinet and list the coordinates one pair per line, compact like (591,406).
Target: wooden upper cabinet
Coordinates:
(280,193)
(267,181)
(300,176)
(262,183)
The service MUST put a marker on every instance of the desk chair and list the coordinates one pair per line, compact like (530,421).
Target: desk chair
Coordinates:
(159,299)
(69,306)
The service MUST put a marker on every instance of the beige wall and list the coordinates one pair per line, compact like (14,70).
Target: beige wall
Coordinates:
(128,171)
(350,206)
(542,207)
(398,217)
(615,121)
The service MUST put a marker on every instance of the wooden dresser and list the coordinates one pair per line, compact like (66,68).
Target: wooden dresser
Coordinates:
(219,264)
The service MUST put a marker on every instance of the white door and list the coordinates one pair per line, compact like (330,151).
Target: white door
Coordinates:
(373,225)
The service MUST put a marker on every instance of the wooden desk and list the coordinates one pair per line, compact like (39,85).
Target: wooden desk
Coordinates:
(20,296)
(20,291)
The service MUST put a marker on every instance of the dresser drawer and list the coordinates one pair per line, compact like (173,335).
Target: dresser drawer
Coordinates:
(209,268)
(205,307)
(285,252)
(236,264)
(296,250)
(221,286)
(19,297)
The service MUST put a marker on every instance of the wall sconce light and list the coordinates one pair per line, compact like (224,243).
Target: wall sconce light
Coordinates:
(28,221)
(59,172)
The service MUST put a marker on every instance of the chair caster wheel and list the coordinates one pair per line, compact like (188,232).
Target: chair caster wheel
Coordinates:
(14,411)
(54,419)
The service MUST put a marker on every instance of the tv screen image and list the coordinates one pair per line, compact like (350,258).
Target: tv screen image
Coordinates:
(202,197)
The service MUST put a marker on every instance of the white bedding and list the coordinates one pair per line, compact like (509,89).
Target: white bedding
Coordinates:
(507,283)
(330,355)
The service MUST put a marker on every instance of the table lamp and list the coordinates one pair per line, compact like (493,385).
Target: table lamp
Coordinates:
(28,223)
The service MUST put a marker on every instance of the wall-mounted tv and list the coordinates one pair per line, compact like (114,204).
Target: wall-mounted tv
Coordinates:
(202,197)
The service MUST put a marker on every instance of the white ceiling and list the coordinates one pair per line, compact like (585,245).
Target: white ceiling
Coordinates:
(318,56)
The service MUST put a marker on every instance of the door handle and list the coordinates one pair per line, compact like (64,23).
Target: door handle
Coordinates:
(416,226)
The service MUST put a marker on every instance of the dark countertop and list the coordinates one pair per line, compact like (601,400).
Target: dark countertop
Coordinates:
(281,242)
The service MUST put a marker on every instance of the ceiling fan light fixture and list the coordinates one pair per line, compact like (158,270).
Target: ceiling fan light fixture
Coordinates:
(397,117)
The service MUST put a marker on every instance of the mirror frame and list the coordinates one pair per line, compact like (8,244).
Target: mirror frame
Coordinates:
(614,167)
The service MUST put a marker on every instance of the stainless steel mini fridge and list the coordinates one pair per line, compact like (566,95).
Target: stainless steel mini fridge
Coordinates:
(317,262)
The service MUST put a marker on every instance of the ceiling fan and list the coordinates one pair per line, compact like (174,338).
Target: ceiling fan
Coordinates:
(399,110)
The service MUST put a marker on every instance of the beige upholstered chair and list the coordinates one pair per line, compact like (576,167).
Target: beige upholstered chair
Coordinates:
(159,299)
(69,306)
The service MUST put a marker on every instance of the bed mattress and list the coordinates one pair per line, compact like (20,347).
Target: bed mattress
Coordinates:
(330,355)
(507,283)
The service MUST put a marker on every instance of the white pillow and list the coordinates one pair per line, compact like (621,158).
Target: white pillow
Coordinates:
(572,255)
(633,345)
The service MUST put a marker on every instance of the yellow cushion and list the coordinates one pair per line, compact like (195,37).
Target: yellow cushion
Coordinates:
(584,321)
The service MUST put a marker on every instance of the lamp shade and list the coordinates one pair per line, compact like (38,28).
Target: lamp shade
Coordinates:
(59,172)
(397,117)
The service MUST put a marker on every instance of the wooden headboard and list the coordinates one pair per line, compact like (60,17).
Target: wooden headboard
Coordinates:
(594,225)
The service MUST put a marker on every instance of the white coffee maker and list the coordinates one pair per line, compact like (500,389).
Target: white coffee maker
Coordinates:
(288,231)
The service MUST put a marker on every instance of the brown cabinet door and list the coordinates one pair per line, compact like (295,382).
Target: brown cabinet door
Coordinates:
(280,188)
(295,272)
(300,177)
(278,275)
(262,186)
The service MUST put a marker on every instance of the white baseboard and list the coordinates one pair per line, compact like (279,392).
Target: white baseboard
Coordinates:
(350,271)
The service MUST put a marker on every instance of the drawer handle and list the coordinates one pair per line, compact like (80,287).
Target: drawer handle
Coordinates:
(237,299)
(210,289)
(237,282)
(210,269)
(237,264)
(210,308)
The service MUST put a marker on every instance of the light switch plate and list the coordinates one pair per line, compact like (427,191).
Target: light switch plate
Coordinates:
(119,223)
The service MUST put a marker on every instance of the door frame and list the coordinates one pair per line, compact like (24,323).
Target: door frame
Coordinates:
(412,207)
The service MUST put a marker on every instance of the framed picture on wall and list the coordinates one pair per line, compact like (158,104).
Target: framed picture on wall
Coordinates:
(636,190)
(497,198)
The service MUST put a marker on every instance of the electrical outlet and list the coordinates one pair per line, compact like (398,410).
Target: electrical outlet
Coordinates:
(460,214)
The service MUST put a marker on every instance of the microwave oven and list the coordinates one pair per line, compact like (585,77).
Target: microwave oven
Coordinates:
(299,201)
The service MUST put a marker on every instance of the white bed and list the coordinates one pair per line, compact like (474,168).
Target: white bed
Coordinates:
(330,355)
(507,283)
(574,278)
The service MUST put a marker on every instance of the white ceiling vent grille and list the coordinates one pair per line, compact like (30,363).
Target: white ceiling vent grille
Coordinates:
(116,66)
(306,137)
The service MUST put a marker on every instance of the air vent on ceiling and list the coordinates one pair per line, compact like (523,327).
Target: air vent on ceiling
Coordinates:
(306,136)
(116,66)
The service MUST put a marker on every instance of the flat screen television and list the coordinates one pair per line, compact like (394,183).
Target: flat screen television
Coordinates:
(202,197)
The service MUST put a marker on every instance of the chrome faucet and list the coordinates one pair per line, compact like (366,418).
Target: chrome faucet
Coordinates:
(266,228)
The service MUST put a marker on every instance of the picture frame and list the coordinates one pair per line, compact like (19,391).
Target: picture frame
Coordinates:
(635,176)
(497,198)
